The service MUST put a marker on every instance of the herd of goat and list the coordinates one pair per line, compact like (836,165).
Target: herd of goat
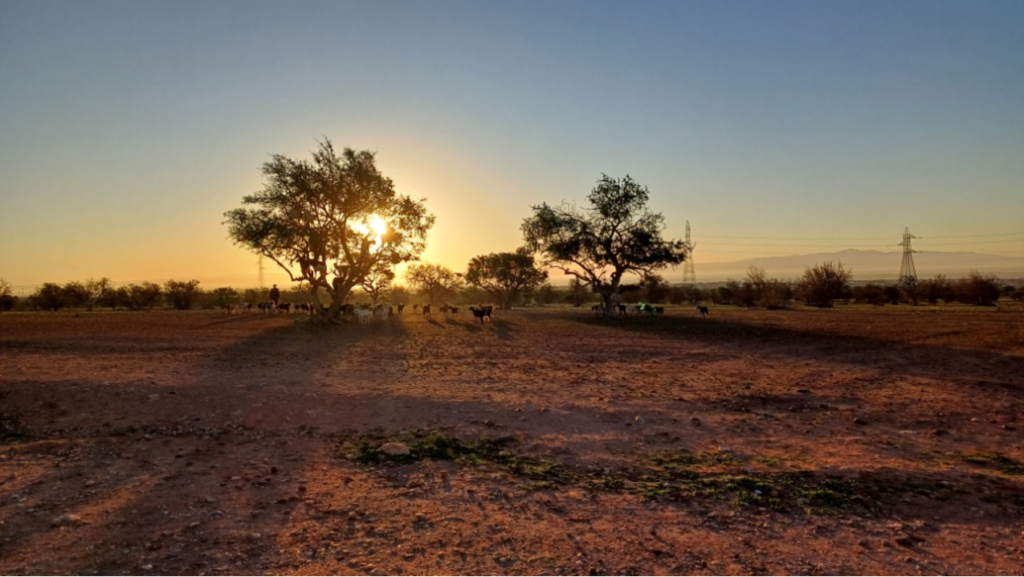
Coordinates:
(364,313)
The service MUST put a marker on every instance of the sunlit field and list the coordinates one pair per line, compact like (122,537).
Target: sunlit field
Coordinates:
(855,440)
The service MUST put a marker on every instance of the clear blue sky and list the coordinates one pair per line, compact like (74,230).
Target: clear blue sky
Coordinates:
(128,128)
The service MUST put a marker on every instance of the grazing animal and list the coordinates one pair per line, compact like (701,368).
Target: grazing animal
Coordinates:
(454,311)
(401,307)
(482,313)
(597,309)
(622,310)
(426,310)
(702,311)
(286,307)
(363,315)
(415,307)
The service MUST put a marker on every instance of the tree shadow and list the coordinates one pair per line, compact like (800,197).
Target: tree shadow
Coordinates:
(916,359)
(240,443)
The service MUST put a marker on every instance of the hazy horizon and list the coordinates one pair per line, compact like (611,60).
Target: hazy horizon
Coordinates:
(775,129)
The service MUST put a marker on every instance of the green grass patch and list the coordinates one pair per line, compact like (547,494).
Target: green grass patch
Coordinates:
(663,476)
(997,461)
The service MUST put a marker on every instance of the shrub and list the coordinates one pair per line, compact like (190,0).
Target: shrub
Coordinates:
(7,298)
(823,284)
(978,290)
(139,296)
(50,296)
(181,294)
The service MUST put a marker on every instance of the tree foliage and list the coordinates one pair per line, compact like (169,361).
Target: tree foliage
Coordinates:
(823,284)
(507,276)
(616,235)
(138,297)
(978,289)
(758,290)
(438,284)
(377,284)
(330,222)
(50,296)
(7,298)
(224,296)
(182,295)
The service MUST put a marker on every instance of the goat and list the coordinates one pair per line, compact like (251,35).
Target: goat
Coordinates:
(286,307)
(415,307)
(454,311)
(426,310)
(363,315)
(482,312)
(401,307)
(702,311)
(622,310)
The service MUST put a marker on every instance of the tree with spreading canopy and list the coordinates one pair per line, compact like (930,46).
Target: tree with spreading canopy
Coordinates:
(377,284)
(437,283)
(506,276)
(615,236)
(330,222)
(182,295)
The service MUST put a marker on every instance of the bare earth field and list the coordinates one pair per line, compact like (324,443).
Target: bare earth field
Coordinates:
(867,441)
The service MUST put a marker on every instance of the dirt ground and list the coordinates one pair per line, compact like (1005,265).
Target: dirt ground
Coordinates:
(864,441)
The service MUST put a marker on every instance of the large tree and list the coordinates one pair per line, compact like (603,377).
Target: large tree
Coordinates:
(330,222)
(437,283)
(506,276)
(377,284)
(615,236)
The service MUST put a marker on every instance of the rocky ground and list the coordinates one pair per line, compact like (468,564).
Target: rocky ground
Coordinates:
(867,441)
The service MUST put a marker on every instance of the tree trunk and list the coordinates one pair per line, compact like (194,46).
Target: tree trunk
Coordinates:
(610,301)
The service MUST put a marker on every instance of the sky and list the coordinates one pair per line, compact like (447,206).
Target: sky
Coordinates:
(128,128)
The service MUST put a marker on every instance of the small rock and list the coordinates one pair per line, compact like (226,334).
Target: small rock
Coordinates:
(1009,428)
(939,432)
(395,449)
(147,567)
(804,391)
(859,421)
(90,483)
(904,541)
(695,422)
(68,519)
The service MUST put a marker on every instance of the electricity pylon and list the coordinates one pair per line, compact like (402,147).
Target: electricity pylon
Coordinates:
(689,275)
(908,274)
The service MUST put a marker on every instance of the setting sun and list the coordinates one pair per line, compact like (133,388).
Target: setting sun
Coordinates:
(377,225)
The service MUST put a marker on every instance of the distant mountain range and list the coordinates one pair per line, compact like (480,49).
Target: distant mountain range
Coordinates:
(865,264)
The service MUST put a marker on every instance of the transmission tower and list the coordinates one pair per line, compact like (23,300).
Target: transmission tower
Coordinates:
(689,276)
(908,274)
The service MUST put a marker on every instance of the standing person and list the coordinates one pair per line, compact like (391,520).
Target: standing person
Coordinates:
(275,297)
